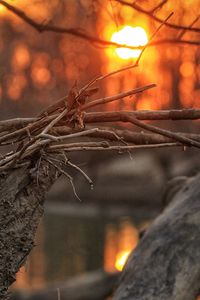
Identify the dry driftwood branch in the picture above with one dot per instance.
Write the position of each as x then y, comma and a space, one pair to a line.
165, 265
102, 146
126, 117
145, 115
36, 135
138, 138
184, 114
178, 137
53, 119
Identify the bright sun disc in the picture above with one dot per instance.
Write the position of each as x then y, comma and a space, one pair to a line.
131, 36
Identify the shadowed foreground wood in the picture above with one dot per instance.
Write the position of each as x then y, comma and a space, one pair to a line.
22, 194
165, 265
91, 286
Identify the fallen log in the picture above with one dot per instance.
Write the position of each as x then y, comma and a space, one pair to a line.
95, 285
22, 193
165, 264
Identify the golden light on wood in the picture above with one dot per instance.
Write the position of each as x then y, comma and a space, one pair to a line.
130, 36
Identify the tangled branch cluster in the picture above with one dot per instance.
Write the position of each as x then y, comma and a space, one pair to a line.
63, 126
62, 121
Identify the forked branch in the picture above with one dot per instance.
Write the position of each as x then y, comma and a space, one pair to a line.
42, 27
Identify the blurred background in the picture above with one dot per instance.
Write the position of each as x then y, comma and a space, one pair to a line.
37, 69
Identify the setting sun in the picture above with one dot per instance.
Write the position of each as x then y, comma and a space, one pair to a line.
131, 36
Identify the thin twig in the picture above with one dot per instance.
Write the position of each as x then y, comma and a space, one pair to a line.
152, 16
118, 96
62, 146
172, 114
178, 137
159, 6
41, 27
152, 36
68, 162
113, 148
180, 35
66, 175
38, 123
138, 138
72, 135
95, 103
15, 123
54, 121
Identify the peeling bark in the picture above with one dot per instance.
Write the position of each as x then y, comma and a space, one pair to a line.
166, 263
22, 193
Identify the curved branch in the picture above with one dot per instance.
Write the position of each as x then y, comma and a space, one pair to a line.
126, 117
40, 27
152, 16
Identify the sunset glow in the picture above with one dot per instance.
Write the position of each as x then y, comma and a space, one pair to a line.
4, 10
131, 36
121, 259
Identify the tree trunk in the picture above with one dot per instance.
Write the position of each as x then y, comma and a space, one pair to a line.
166, 263
22, 193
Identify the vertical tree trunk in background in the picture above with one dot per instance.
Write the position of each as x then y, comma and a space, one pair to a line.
166, 263
22, 193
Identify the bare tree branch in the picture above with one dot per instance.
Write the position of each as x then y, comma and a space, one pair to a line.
61, 171
118, 97
41, 27
118, 148
138, 138
173, 114
152, 16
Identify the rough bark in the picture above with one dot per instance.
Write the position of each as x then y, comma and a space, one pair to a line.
165, 265
95, 285
22, 194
